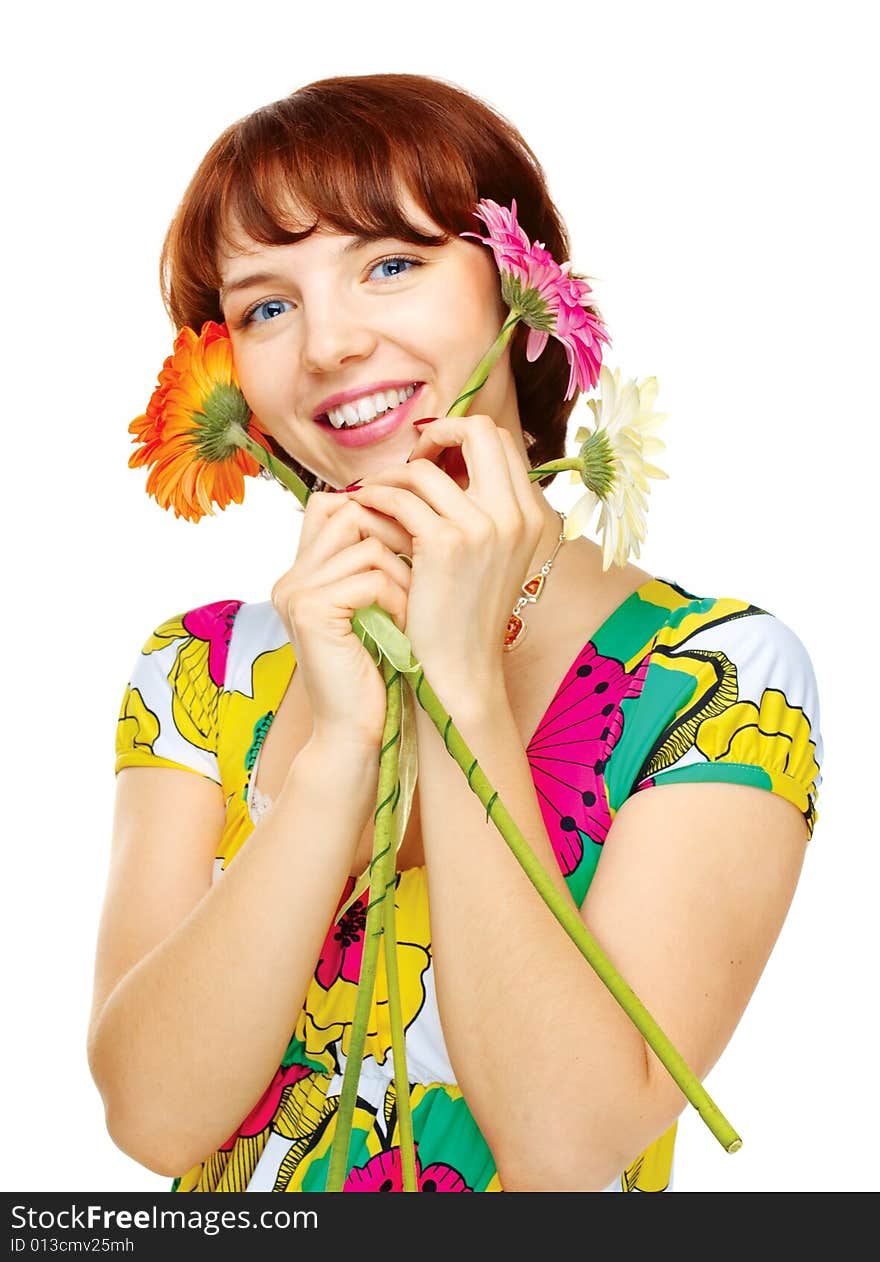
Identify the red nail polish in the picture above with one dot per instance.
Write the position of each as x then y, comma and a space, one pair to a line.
355, 486
425, 421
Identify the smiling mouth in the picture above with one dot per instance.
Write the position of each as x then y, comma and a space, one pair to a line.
367, 409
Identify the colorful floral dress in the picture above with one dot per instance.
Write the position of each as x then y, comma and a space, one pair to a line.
672, 687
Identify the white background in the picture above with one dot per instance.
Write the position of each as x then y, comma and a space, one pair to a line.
715, 164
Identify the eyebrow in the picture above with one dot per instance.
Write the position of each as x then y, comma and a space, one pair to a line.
245, 282
268, 278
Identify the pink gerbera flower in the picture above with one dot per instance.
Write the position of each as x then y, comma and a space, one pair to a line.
544, 295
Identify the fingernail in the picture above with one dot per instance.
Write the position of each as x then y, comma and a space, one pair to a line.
425, 421
355, 486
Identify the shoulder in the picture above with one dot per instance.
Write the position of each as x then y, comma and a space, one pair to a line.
731, 635
216, 638
171, 707
729, 692
192, 658
168, 715
257, 630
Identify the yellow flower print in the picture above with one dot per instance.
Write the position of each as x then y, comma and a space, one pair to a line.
651, 1170
196, 677
330, 1002
700, 615
246, 713
714, 689
166, 634
773, 735
304, 1118
138, 726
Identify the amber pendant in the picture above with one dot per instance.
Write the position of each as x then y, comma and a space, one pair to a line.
531, 591
516, 629
533, 587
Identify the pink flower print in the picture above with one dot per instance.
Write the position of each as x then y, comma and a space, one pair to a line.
344, 945
438, 1177
545, 295
213, 625
571, 747
264, 1110
384, 1173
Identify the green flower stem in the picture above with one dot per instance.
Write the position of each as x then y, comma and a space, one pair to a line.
555, 466
383, 863
480, 375
475, 382
286, 476
398, 1049
276, 467
383, 843
570, 920
395, 1010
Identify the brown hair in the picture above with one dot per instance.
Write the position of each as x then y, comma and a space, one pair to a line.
330, 148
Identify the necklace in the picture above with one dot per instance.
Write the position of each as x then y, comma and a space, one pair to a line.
531, 589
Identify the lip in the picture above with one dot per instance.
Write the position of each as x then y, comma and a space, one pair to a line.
349, 396
374, 431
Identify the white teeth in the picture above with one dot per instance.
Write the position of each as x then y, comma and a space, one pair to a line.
368, 408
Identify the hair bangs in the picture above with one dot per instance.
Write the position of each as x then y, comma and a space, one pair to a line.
282, 183
344, 154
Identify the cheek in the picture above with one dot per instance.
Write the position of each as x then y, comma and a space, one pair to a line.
244, 370
485, 285
261, 386
457, 339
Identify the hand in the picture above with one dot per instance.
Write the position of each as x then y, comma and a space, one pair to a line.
347, 558
471, 548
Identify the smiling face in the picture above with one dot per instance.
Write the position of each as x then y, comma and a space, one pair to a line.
341, 343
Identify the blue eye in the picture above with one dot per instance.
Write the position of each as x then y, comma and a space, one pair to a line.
396, 265
270, 309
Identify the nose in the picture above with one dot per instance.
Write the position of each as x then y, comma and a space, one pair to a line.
334, 332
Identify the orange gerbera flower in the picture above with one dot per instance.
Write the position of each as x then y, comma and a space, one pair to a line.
196, 427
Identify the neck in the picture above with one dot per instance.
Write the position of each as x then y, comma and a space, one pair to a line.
549, 535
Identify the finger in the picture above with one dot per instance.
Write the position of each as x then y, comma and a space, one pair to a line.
427, 447
411, 510
321, 506
342, 523
528, 495
433, 486
496, 471
368, 554
355, 592
480, 443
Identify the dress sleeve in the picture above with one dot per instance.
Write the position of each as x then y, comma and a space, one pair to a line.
169, 711
735, 701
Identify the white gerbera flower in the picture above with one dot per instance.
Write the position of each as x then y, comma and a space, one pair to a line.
615, 468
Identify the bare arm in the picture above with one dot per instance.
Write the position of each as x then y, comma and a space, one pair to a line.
197, 987
688, 900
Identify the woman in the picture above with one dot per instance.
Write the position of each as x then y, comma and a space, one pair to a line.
325, 230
